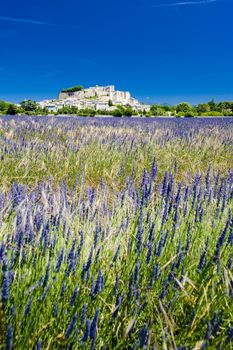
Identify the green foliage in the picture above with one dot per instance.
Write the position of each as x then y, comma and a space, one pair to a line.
118, 112
212, 105
29, 105
183, 107
73, 89
160, 110
203, 108
189, 114
12, 109
121, 111
72, 110
3, 106
212, 114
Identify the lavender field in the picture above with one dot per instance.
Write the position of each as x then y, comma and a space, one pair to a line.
116, 233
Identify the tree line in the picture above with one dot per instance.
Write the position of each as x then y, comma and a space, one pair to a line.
183, 109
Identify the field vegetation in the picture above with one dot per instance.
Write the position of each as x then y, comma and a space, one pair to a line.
116, 233
184, 109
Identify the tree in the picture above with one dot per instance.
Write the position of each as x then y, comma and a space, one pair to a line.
110, 104
29, 105
212, 105
73, 89
189, 114
3, 106
159, 110
12, 109
118, 112
128, 111
203, 108
183, 107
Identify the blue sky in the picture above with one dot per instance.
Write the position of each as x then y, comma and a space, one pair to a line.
161, 51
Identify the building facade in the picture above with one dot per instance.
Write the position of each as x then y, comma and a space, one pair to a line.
99, 98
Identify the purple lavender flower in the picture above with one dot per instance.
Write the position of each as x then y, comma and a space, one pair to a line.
86, 266
97, 255
93, 327
164, 290
118, 304
229, 335
9, 337
153, 172
230, 261
151, 233
59, 260
46, 278
55, 310
99, 283
202, 261
208, 331
5, 287
27, 308
63, 287
121, 168
165, 184
13, 311
180, 258
188, 242
230, 237
45, 293
139, 238
149, 252
87, 331
216, 181
73, 297
162, 243
45, 236
143, 336
116, 285
137, 272
71, 326
116, 254
154, 275
217, 322
19, 238
97, 234
83, 315
165, 211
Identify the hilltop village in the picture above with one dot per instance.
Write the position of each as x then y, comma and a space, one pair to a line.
102, 98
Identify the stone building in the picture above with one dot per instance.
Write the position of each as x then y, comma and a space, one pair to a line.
98, 97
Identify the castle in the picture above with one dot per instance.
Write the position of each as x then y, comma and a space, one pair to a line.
104, 98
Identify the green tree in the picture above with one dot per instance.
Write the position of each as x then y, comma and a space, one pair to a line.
73, 89
128, 111
28, 105
183, 107
3, 106
118, 112
189, 114
158, 110
12, 109
203, 108
212, 105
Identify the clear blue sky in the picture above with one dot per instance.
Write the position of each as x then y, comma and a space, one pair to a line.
161, 51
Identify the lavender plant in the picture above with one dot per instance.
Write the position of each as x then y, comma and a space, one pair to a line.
116, 234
